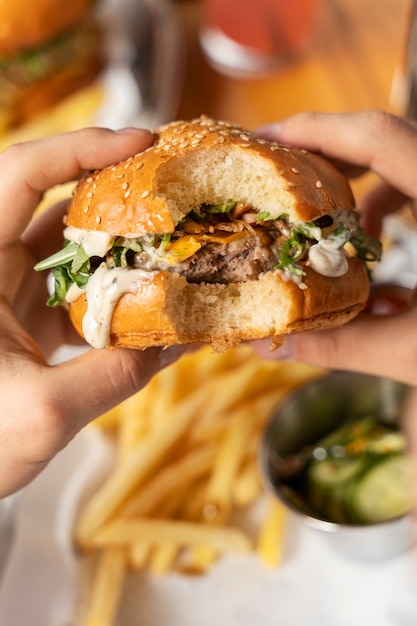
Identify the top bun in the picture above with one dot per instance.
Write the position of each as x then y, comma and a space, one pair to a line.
206, 161
24, 25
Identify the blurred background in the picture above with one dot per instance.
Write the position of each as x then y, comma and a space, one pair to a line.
150, 61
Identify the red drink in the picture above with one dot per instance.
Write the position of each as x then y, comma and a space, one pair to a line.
249, 36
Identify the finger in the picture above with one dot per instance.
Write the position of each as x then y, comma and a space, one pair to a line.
29, 169
376, 140
56, 402
380, 201
79, 390
44, 234
372, 344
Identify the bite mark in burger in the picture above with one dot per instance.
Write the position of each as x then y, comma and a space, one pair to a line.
211, 236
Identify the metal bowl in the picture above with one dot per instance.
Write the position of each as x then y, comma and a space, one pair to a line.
305, 417
7, 515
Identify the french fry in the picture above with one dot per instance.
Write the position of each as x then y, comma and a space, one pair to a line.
134, 470
139, 554
199, 559
163, 558
123, 532
187, 448
135, 423
192, 506
173, 478
272, 534
247, 486
231, 451
107, 587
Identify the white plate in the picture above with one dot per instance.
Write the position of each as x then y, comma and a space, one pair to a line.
314, 586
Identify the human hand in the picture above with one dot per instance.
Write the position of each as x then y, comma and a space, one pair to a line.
386, 145
44, 406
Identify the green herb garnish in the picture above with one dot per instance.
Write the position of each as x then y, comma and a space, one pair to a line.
291, 251
223, 207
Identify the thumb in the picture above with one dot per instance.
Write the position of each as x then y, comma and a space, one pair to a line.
93, 383
372, 344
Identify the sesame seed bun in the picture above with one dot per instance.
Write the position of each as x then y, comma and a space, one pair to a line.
205, 162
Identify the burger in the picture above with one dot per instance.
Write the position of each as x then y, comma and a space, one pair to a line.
211, 235
47, 52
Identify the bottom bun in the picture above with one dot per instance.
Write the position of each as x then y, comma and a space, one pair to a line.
169, 310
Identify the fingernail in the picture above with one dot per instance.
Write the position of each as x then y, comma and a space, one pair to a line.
126, 131
269, 130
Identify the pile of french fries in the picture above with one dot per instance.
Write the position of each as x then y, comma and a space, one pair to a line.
186, 463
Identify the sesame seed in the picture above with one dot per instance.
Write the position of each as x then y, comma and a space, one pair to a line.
291, 184
304, 151
120, 176
98, 219
86, 209
302, 286
128, 192
319, 184
145, 194
89, 194
125, 185
294, 169
139, 165
89, 179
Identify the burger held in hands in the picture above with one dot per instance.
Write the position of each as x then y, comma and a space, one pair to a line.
211, 236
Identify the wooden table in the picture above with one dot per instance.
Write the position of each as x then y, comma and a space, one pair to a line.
358, 52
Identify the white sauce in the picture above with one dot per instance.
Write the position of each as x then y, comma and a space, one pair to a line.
328, 259
94, 242
103, 291
73, 293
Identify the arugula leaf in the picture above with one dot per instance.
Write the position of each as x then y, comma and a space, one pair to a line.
367, 247
62, 283
80, 260
67, 253
223, 207
264, 216
290, 252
